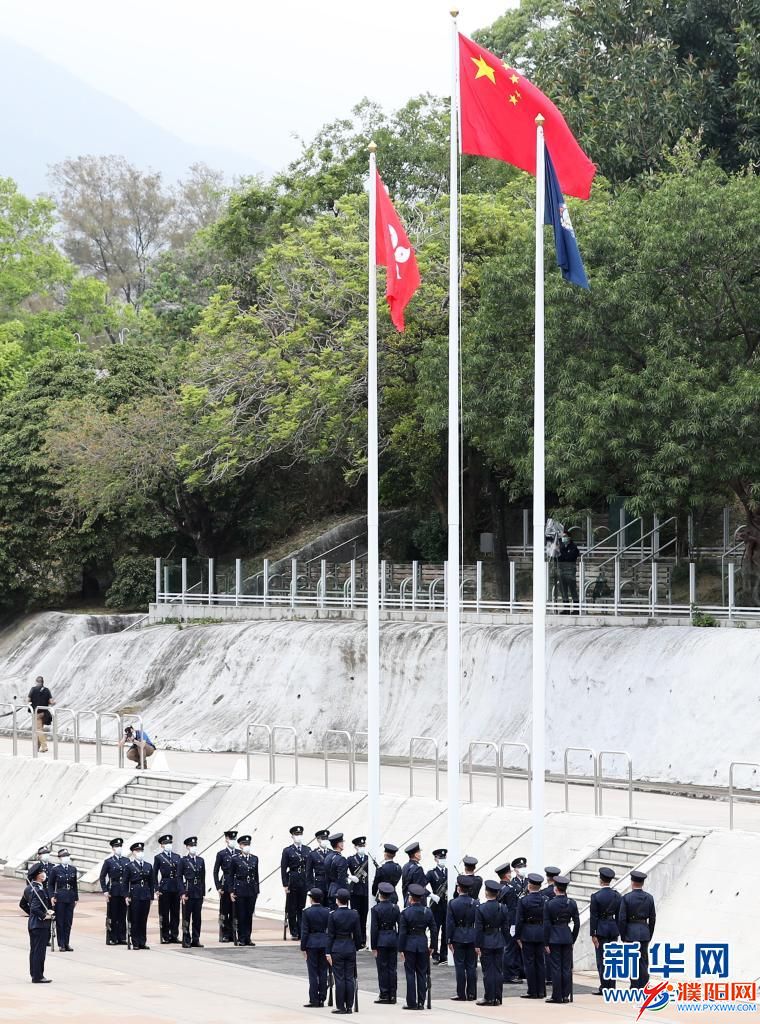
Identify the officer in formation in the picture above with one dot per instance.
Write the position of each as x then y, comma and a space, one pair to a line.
192, 888
294, 872
384, 941
636, 918
316, 877
469, 864
438, 879
559, 939
314, 921
548, 893
113, 884
509, 895
166, 870
336, 868
140, 893
244, 878
460, 928
491, 934
415, 925
64, 896
41, 914
358, 877
388, 871
529, 934
603, 922
223, 885
519, 864
412, 872
343, 938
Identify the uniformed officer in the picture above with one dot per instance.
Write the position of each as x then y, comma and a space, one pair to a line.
166, 869
491, 934
40, 916
559, 939
460, 929
64, 896
358, 877
113, 883
437, 878
529, 934
412, 872
222, 883
415, 923
293, 869
244, 877
44, 857
314, 922
192, 877
388, 871
603, 922
343, 937
316, 877
336, 867
548, 893
511, 965
519, 864
636, 918
140, 892
469, 864
383, 939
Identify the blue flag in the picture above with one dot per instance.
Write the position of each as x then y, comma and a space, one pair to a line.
556, 213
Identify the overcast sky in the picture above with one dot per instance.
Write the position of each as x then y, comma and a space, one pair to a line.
243, 74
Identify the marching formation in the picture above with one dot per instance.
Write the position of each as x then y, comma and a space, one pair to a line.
521, 926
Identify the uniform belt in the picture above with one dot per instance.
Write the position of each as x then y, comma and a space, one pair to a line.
344, 935
606, 917
65, 887
491, 930
562, 920
416, 931
638, 920
317, 931
534, 920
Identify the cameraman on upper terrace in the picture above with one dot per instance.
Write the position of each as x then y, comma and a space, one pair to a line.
567, 556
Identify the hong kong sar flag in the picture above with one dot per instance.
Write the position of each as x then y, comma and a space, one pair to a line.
395, 253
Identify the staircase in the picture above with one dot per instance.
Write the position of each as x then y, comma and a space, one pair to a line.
628, 848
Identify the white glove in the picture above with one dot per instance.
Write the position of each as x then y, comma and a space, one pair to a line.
512, 930
434, 898
353, 879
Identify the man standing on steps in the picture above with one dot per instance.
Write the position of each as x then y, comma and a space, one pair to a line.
358, 877
166, 869
293, 869
223, 884
342, 942
245, 890
192, 891
316, 876
412, 872
113, 884
437, 878
388, 871
529, 935
559, 939
140, 892
40, 700
603, 922
637, 917
64, 895
337, 869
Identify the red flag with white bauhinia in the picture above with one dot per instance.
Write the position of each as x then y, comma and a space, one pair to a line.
395, 252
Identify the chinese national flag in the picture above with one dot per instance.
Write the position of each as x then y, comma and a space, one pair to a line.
498, 114
395, 253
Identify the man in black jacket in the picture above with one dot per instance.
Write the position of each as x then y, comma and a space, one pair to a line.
343, 938
314, 921
637, 917
383, 938
567, 557
460, 930
388, 871
415, 923
559, 939
529, 935
603, 922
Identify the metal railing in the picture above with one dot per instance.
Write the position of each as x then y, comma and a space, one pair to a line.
488, 745
435, 767
250, 729
274, 752
613, 780
348, 751
511, 771
567, 777
733, 796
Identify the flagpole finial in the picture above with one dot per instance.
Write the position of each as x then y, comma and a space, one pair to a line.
372, 147
454, 12
540, 119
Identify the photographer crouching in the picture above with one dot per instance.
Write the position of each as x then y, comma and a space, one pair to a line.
141, 746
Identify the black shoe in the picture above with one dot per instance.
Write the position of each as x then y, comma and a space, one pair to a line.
144, 947
197, 945
557, 1001
405, 1007
41, 981
526, 996
471, 999
247, 943
596, 992
443, 963
458, 999
225, 940
513, 981
566, 999
340, 1011
485, 1002
308, 1006
384, 1002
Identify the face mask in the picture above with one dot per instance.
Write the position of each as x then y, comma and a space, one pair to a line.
324, 844
167, 848
441, 862
245, 849
231, 843
297, 840
565, 540
361, 850
65, 860
139, 855
45, 858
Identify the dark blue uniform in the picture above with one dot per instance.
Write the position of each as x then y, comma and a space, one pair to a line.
343, 937
383, 937
113, 880
414, 924
460, 928
316, 877
388, 871
223, 884
511, 965
491, 933
192, 891
294, 870
337, 875
437, 881
166, 869
529, 930
314, 921
603, 926
140, 892
359, 868
475, 886
636, 918
39, 928
63, 891
412, 873
244, 877
559, 912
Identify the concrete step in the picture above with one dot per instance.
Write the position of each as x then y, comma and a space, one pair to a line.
148, 803
78, 844
117, 819
625, 854
594, 863
168, 782
657, 835
644, 846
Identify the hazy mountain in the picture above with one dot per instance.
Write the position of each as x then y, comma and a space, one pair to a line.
48, 114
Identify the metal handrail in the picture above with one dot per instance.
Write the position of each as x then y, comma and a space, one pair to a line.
491, 746
732, 796
660, 549
87, 713
502, 768
636, 543
402, 590
349, 750
137, 622
251, 727
436, 767
354, 747
32, 725
609, 537
292, 732
431, 591
727, 554
57, 711
601, 779
14, 728
567, 777
101, 717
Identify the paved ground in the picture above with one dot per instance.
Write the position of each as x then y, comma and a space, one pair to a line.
219, 984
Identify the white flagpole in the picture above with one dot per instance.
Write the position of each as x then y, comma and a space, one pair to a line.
539, 519
373, 543
452, 570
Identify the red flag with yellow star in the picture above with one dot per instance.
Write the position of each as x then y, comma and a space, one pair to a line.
498, 109
395, 252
